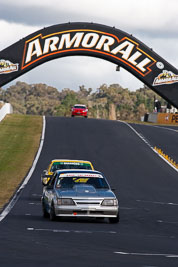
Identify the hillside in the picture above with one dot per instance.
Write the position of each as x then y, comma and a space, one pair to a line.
108, 102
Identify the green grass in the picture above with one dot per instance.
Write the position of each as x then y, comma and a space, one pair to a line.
19, 142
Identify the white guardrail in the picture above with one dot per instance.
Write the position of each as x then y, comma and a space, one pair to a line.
6, 109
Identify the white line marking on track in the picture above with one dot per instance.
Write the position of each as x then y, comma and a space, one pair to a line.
31, 203
18, 192
161, 127
146, 142
70, 231
157, 202
160, 221
170, 129
36, 195
146, 254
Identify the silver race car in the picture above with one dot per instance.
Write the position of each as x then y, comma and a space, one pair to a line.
79, 193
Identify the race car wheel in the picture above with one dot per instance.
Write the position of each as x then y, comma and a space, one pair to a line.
45, 213
52, 214
114, 219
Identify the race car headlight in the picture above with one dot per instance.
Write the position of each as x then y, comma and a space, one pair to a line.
65, 201
109, 202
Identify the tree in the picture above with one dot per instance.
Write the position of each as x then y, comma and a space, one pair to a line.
113, 101
64, 109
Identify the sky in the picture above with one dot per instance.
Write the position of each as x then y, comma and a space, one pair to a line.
154, 22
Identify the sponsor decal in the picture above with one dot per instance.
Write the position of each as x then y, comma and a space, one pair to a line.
124, 50
80, 180
160, 65
81, 175
7, 67
167, 118
72, 163
67, 163
166, 77
175, 118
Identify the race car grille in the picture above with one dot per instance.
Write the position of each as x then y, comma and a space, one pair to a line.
88, 201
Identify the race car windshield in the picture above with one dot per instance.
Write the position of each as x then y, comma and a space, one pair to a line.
82, 107
69, 182
68, 165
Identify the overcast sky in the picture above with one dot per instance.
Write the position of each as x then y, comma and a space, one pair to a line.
154, 22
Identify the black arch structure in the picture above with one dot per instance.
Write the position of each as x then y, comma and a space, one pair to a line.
90, 39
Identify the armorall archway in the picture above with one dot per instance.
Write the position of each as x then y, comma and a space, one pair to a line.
90, 39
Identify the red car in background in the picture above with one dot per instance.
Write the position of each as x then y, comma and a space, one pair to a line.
79, 110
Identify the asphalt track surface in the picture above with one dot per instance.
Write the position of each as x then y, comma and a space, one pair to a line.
164, 137
147, 188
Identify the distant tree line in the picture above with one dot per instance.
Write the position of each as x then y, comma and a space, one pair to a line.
107, 102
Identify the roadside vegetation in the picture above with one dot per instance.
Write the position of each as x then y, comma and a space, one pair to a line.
19, 142
106, 102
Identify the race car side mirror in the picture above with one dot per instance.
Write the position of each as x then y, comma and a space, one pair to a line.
45, 180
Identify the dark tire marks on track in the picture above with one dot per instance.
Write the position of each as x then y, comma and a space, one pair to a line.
145, 185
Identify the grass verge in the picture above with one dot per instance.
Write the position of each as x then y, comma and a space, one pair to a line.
19, 142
